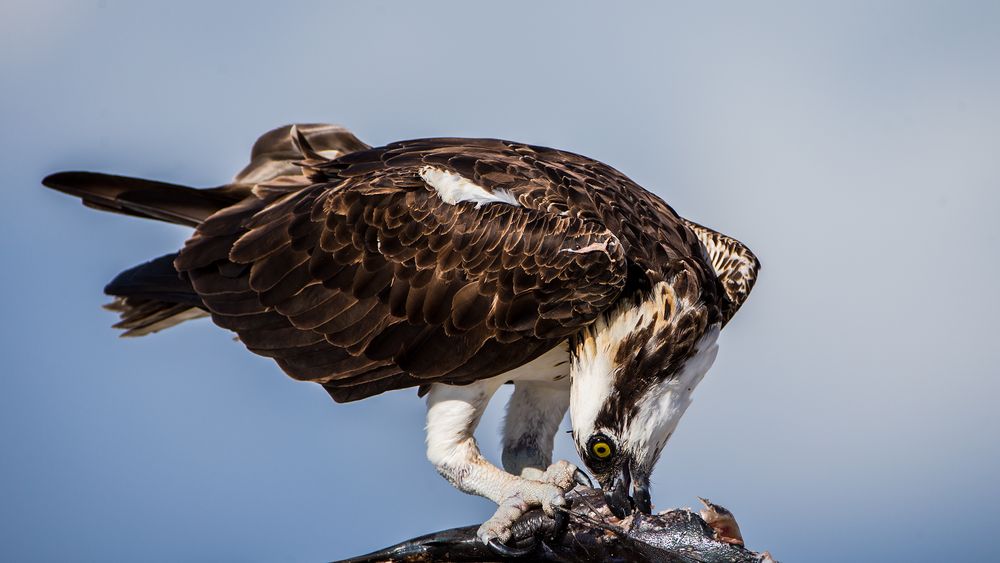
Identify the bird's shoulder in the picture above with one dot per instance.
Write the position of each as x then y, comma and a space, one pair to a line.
549, 180
359, 275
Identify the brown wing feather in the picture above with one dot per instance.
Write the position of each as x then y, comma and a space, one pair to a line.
369, 281
733, 263
653, 236
274, 155
339, 262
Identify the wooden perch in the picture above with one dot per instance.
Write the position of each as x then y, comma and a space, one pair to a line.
591, 534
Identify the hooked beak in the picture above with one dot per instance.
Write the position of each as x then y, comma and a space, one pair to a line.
640, 492
616, 494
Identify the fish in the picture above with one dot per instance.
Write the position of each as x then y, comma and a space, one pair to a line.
588, 532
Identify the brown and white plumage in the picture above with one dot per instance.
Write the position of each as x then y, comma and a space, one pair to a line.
733, 263
366, 280
437, 263
353, 273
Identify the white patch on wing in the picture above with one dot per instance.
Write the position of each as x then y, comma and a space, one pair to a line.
592, 247
454, 188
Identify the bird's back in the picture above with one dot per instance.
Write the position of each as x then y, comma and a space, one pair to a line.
370, 269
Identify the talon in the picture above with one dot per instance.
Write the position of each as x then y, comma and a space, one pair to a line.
561, 525
583, 479
552, 506
504, 550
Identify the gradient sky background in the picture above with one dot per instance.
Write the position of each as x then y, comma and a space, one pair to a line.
852, 414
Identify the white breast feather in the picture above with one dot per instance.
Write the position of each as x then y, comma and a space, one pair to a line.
661, 409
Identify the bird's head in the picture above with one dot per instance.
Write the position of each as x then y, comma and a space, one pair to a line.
632, 372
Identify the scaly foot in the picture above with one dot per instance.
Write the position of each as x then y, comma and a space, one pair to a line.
521, 495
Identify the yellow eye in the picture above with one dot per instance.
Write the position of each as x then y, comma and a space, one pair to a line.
601, 450
600, 447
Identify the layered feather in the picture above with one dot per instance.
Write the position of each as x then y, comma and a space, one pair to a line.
369, 269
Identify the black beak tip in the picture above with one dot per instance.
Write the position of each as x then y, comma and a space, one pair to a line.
618, 502
642, 501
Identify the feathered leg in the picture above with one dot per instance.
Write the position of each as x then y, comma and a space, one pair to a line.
534, 412
452, 416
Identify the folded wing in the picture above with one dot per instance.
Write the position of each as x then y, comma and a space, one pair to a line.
367, 279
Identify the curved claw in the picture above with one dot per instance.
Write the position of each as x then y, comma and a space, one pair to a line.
504, 550
583, 479
560, 525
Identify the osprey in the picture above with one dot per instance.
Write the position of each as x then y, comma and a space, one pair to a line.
453, 266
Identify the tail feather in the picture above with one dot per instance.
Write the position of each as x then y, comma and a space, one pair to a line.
274, 164
152, 296
140, 317
143, 198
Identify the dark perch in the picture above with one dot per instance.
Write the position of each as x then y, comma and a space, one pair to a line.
592, 534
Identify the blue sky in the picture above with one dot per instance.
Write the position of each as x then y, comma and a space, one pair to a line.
851, 413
